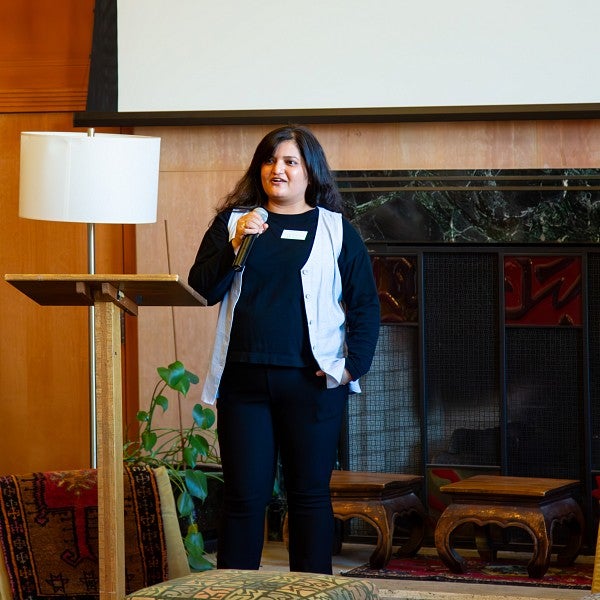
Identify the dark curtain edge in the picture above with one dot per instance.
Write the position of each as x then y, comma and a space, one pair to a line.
103, 78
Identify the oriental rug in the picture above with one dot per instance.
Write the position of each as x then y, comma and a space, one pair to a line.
49, 533
503, 571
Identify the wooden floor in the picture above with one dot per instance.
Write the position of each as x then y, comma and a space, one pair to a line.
353, 555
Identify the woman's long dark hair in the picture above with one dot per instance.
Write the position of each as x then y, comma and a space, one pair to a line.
321, 190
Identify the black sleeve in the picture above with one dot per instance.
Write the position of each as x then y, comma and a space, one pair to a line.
212, 273
361, 302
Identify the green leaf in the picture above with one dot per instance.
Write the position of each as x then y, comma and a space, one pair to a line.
162, 402
182, 386
199, 563
185, 504
176, 376
163, 373
189, 456
172, 374
192, 377
196, 483
148, 440
194, 545
142, 416
177, 370
192, 527
199, 444
203, 417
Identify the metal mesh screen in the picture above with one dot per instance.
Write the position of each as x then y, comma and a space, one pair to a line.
594, 354
544, 395
383, 429
383, 426
461, 358
470, 361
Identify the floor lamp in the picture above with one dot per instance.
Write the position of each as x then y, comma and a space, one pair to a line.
89, 178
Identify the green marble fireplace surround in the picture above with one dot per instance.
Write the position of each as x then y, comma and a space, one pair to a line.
482, 206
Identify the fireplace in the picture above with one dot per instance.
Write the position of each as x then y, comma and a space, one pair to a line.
489, 353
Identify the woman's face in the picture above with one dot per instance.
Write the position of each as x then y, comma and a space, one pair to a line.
284, 177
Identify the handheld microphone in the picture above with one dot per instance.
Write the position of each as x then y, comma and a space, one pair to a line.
246, 245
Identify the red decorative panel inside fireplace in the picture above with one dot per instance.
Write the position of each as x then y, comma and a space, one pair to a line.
542, 290
396, 280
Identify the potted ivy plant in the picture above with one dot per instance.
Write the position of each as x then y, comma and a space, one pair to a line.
188, 454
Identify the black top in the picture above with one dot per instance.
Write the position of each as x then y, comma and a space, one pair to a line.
269, 324
266, 328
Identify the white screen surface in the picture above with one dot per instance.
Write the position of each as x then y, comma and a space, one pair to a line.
206, 55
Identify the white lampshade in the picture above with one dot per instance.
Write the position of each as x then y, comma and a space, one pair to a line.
74, 177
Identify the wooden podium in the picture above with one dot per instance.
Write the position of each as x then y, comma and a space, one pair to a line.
109, 294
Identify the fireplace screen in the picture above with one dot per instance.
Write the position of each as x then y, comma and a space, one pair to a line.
488, 359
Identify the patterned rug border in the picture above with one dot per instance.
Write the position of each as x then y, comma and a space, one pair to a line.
580, 580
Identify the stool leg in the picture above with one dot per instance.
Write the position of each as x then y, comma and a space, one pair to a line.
413, 544
285, 531
410, 506
566, 556
575, 524
534, 522
377, 516
484, 543
447, 523
382, 519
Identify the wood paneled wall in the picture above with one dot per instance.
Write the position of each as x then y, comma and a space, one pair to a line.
199, 165
44, 410
45, 49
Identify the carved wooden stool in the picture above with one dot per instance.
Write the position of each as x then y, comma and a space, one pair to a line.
378, 498
535, 505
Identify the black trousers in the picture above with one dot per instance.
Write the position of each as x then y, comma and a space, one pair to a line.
262, 409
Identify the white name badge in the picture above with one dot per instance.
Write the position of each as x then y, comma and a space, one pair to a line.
293, 234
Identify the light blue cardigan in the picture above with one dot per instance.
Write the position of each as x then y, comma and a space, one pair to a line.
322, 289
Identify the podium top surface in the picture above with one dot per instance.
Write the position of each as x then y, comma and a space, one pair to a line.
143, 290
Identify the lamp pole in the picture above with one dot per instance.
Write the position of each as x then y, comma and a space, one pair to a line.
92, 355
91, 241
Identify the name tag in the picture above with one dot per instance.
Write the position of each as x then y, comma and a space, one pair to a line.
293, 234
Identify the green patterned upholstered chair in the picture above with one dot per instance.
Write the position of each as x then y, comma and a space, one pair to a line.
45, 515
226, 584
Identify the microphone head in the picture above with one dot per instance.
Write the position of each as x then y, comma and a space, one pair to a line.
259, 210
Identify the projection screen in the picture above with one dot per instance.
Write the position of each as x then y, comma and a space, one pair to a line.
343, 55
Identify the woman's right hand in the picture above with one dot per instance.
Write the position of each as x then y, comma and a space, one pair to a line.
249, 224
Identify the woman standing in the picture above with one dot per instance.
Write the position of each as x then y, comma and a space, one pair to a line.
297, 327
